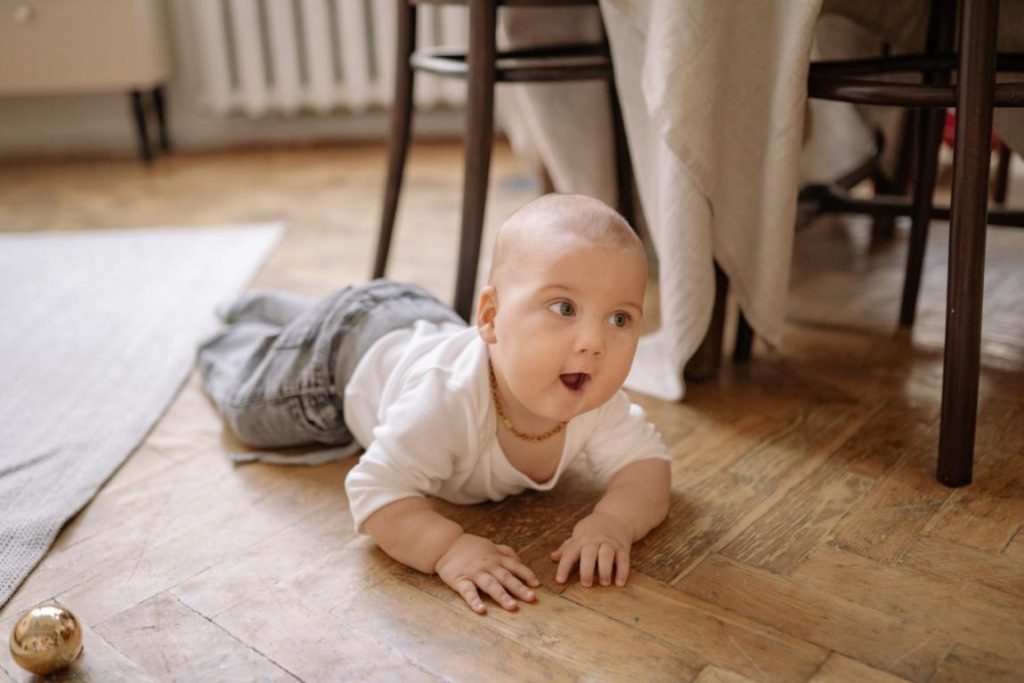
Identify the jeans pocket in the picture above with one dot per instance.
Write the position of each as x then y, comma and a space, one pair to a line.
322, 414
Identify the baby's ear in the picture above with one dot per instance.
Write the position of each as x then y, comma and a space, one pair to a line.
486, 310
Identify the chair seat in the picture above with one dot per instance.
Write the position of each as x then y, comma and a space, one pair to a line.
544, 64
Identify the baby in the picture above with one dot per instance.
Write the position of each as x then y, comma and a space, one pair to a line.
467, 414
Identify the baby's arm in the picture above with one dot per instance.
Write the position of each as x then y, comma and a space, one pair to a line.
410, 531
637, 500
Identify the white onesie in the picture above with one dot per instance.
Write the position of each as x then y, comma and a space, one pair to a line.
419, 401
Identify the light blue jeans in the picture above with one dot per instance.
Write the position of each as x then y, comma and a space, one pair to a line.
277, 374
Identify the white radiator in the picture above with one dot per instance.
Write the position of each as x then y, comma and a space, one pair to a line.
261, 57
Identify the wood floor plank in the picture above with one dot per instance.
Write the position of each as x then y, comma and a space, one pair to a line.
965, 564
725, 639
966, 664
129, 522
587, 642
116, 527
807, 516
715, 511
335, 576
169, 640
798, 523
966, 612
840, 669
718, 442
985, 522
521, 516
452, 644
890, 642
311, 644
1015, 548
888, 519
988, 513
316, 543
161, 564
712, 674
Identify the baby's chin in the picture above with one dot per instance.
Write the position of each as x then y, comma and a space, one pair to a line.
579, 406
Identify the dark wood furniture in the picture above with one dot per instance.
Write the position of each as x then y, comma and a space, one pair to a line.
482, 65
964, 79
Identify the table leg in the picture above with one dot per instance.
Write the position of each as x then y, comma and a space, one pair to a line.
967, 241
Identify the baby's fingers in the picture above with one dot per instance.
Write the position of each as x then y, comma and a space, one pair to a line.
606, 563
467, 589
569, 556
507, 551
588, 558
622, 562
521, 570
514, 585
556, 554
493, 587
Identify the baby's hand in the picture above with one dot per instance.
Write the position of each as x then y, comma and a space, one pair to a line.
597, 539
473, 562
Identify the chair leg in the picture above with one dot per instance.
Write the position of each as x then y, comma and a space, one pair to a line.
401, 123
744, 340
707, 359
967, 241
940, 39
479, 134
623, 163
928, 143
1002, 174
905, 163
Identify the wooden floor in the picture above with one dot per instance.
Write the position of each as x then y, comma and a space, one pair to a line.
808, 539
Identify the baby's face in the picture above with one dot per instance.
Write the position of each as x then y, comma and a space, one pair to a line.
567, 325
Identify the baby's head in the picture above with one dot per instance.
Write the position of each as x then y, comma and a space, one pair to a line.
562, 308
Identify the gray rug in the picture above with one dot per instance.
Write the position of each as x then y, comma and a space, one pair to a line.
98, 332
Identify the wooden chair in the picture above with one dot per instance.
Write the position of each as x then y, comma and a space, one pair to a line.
482, 65
974, 95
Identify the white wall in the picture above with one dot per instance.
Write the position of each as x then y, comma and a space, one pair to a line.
102, 124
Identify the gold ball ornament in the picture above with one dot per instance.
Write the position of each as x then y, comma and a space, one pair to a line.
46, 638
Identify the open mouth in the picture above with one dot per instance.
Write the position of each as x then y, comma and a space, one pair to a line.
575, 381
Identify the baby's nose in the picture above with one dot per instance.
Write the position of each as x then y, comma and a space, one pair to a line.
590, 340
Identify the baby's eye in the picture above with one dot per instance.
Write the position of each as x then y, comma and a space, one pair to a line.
563, 308
620, 319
